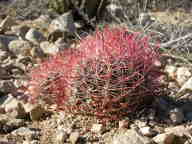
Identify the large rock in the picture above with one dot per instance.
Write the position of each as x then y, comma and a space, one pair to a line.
124, 136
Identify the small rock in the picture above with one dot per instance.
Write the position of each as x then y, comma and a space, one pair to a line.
7, 23
63, 23
187, 87
176, 115
3, 55
123, 124
61, 136
20, 47
97, 128
20, 31
35, 111
147, 131
2, 46
55, 35
165, 138
8, 124
115, 10
145, 19
49, 48
180, 131
123, 136
74, 136
188, 116
5, 40
34, 36
140, 123
171, 71
31, 142
182, 75
37, 52
28, 133
7, 86
13, 107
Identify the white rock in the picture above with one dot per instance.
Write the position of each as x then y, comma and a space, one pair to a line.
74, 136
147, 131
180, 131
171, 71
182, 75
61, 136
49, 48
20, 47
64, 23
165, 138
97, 128
128, 137
187, 87
13, 107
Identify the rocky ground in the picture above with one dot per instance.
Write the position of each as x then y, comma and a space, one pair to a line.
25, 42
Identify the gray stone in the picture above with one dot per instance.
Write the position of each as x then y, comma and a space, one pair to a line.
34, 36
5, 40
3, 55
7, 86
20, 47
176, 115
188, 116
20, 31
2, 46
145, 19
7, 23
63, 23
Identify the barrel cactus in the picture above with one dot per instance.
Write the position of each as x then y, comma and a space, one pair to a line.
111, 74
